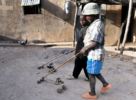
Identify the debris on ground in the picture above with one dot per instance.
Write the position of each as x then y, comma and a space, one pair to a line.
40, 67
59, 81
41, 80
22, 42
64, 87
50, 65
65, 52
61, 89
51, 68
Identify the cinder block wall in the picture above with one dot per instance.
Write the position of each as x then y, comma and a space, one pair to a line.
50, 26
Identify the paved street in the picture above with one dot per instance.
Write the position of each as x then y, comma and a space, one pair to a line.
19, 74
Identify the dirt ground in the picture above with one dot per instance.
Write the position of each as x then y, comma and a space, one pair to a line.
20, 70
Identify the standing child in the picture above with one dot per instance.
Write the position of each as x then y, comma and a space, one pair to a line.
94, 49
80, 61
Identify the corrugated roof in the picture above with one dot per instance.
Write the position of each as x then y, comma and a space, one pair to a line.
30, 2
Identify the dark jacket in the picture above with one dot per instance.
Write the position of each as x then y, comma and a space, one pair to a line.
80, 43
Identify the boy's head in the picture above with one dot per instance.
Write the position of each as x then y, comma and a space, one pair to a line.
82, 21
91, 11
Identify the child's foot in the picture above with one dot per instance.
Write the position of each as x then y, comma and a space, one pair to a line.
70, 77
87, 96
86, 79
105, 89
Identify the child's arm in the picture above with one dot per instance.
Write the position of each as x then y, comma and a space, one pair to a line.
86, 49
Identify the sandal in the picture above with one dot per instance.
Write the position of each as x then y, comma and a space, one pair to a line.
87, 96
105, 89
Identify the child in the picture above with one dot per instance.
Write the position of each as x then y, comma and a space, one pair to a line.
80, 61
94, 49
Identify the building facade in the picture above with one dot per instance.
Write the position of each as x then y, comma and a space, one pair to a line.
45, 22
54, 20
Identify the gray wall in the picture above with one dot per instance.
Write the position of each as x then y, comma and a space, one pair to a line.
50, 26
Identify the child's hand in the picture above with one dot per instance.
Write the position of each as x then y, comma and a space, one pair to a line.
84, 51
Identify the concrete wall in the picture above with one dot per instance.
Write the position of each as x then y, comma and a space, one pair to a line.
113, 24
8, 18
50, 26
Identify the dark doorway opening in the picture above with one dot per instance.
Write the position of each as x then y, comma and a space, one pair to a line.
124, 19
34, 9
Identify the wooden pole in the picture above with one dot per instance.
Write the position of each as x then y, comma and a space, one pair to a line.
120, 34
127, 26
75, 23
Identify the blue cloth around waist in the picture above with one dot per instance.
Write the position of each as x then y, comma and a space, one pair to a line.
94, 66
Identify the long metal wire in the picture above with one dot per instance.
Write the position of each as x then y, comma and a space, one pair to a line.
57, 57
62, 65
